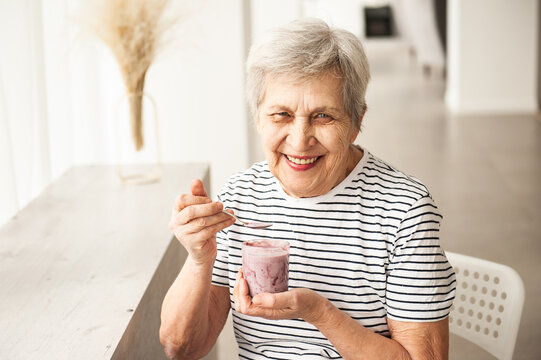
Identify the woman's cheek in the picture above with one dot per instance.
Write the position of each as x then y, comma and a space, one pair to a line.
273, 137
338, 138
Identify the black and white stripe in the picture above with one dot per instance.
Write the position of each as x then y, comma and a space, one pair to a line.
370, 246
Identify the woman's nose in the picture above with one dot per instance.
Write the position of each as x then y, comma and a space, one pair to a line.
301, 134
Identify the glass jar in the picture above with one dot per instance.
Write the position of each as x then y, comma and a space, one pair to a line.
137, 140
265, 265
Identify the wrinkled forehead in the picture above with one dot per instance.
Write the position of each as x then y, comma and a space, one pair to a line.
288, 89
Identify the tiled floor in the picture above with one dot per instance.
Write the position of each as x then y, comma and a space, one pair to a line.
483, 171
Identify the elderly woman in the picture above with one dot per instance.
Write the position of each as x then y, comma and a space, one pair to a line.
368, 278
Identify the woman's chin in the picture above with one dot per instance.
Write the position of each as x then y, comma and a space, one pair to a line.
300, 183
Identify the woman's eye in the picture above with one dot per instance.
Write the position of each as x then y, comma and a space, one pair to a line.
322, 115
282, 115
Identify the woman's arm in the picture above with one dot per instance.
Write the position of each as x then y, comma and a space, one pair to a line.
409, 341
194, 311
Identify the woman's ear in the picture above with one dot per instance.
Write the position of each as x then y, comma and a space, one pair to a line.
361, 118
354, 133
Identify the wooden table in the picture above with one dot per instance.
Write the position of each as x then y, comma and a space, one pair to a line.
84, 267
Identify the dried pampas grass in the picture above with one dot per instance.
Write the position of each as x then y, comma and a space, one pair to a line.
133, 30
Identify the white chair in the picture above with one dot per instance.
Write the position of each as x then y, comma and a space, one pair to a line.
488, 304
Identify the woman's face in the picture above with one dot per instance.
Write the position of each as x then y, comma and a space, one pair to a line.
306, 134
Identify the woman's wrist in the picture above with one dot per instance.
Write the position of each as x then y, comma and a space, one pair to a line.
320, 312
200, 265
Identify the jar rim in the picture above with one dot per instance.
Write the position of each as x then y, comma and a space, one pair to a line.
265, 247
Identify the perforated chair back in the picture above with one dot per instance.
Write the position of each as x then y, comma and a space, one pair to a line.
488, 304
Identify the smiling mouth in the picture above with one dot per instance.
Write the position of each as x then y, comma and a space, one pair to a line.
303, 160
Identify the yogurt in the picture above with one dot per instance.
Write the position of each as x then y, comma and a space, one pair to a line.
265, 265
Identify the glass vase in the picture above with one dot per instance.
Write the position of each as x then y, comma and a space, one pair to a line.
137, 140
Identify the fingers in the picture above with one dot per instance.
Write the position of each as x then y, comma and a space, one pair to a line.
197, 231
201, 210
189, 207
195, 221
185, 200
198, 196
241, 295
200, 234
267, 300
295, 303
244, 303
197, 188
244, 290
201, 216
285, 305
283, 300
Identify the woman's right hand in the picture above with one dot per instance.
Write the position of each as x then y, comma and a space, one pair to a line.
196, 220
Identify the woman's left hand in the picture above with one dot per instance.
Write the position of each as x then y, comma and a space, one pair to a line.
293, 304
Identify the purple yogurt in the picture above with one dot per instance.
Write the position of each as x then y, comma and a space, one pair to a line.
265, 265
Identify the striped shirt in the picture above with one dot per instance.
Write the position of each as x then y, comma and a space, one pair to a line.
370, 246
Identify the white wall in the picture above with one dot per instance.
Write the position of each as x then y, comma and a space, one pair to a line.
197, 83
60, 86
200, 92
492, 56
24, 170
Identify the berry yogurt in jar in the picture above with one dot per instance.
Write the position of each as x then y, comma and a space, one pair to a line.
265, 265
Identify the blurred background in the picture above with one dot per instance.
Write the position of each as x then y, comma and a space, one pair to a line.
454, 100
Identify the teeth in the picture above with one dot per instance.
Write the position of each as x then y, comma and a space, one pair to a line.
302, 161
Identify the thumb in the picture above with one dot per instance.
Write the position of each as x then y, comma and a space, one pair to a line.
197, 188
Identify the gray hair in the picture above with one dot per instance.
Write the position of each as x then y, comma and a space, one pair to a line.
305, 49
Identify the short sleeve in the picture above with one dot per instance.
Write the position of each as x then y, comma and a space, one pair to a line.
420, 281
220, 271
